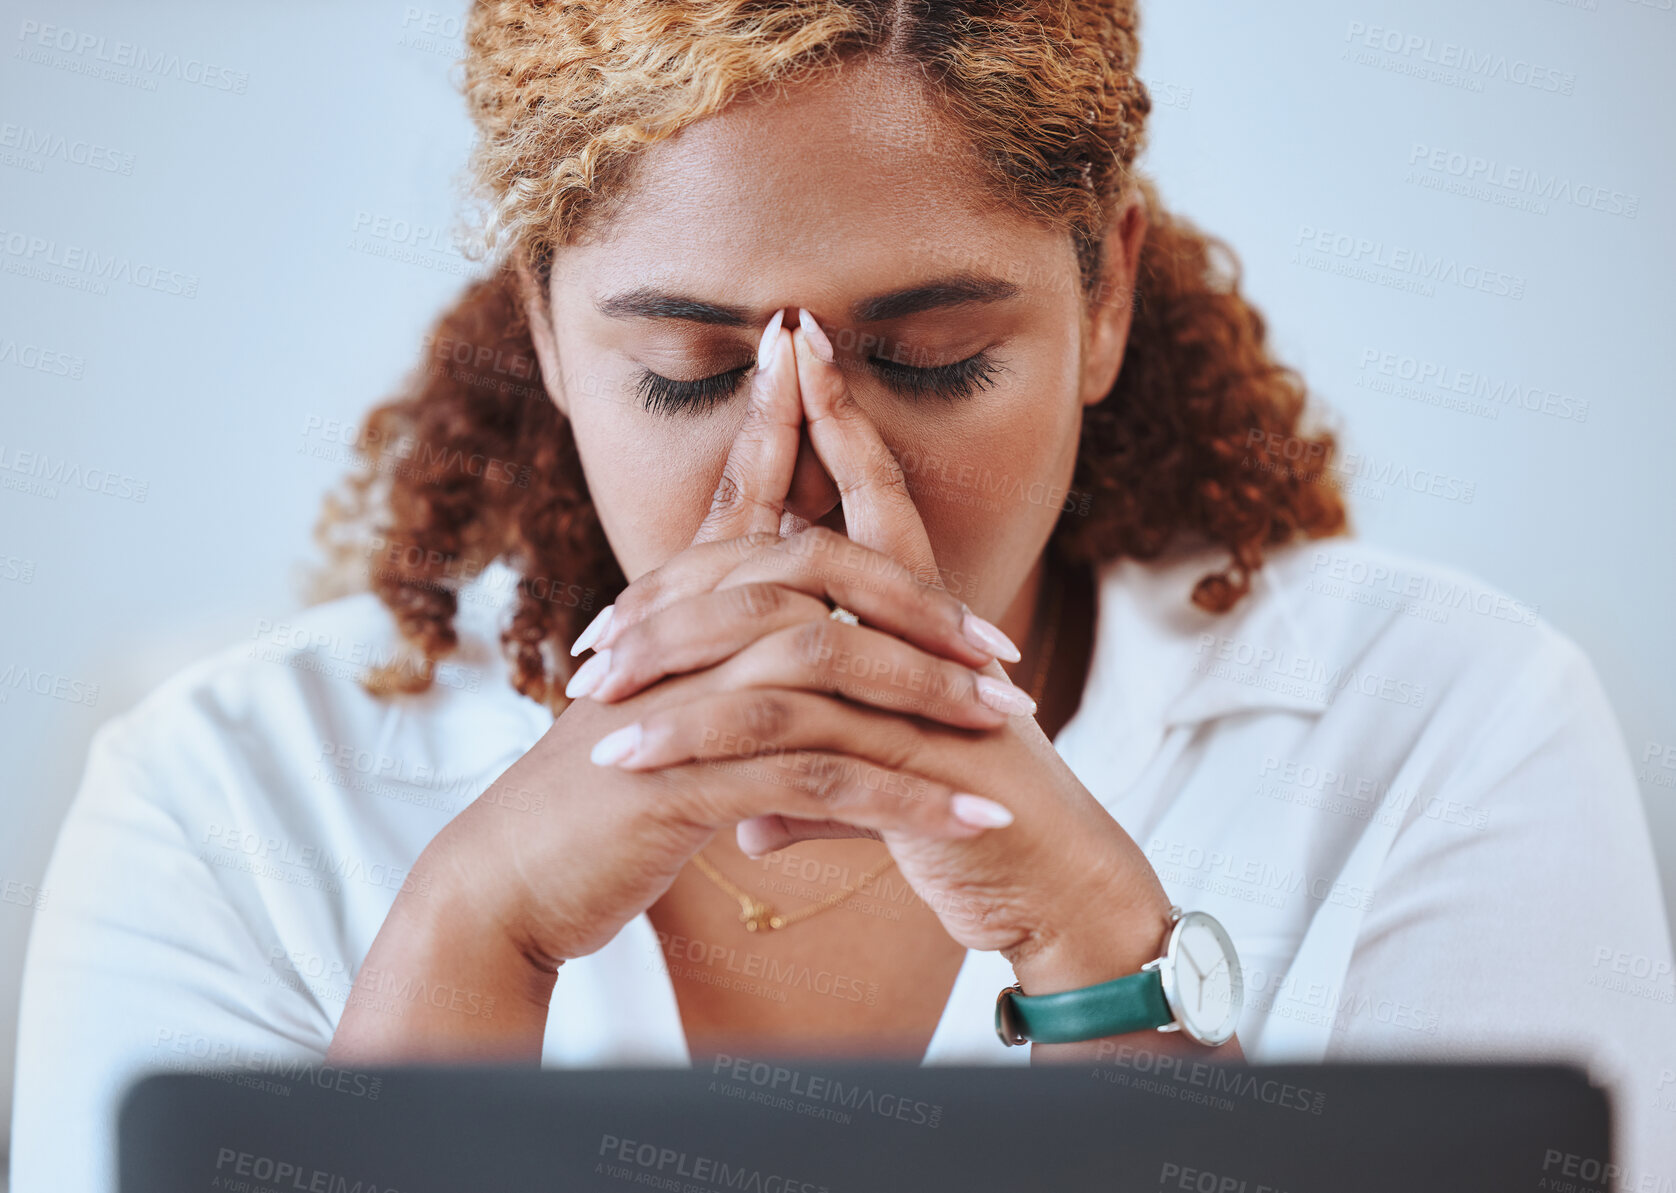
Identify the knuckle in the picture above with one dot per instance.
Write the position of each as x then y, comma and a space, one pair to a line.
897, 743
888, 474
729, 494
928, 603
765, 716
828, 780
813, 646
758, 600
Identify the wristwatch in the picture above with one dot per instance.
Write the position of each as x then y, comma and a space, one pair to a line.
1195, 988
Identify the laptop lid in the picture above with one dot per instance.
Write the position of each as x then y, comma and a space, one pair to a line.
792, 1126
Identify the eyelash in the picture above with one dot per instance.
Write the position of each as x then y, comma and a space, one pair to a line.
951, 382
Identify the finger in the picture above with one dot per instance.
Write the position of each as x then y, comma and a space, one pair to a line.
823, 787
762, 835
822, 564
690, 635
827, 657
756, 722
863, 665
878, 512
766, 723
695, 570
704, 629
878, 589
751, 494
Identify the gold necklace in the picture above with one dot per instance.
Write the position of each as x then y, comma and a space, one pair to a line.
758, 915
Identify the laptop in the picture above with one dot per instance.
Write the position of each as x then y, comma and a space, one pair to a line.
743, 1125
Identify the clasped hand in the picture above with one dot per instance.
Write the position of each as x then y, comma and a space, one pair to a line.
721, 681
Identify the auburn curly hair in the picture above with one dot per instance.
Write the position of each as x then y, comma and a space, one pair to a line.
1199, 440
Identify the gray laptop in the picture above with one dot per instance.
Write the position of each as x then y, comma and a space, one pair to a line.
794, 1126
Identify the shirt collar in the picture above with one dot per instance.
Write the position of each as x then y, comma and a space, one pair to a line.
1161, 660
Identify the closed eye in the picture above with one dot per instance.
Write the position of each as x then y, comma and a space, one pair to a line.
665, 395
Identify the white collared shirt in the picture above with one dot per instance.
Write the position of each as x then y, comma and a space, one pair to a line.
1402, 793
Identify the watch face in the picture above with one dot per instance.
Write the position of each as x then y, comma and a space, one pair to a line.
1207, 991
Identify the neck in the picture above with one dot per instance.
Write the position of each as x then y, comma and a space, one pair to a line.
1025, 622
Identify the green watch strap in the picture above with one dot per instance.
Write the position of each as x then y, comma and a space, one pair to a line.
1132, 1003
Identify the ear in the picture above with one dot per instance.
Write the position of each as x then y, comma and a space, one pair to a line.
1112, 305
532, 295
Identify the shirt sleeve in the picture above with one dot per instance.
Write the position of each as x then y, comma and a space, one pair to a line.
145, 956
1519, 912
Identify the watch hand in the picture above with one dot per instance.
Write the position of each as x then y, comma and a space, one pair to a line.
1191, 961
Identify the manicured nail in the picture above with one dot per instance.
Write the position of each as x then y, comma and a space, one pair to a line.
769, 347
979, 812
596, 629
987, 636
816, 337
1001, 696
616, 746
588, 675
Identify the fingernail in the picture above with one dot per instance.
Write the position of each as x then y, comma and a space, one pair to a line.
596, 629
768, 348
979, 812
616, 746
817, 337
999, 695
986, 636
588, 675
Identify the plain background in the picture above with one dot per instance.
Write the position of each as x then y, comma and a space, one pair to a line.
1320, 139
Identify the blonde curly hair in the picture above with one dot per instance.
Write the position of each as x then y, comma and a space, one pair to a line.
1198, 440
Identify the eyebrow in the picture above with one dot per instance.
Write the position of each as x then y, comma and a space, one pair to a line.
952, 290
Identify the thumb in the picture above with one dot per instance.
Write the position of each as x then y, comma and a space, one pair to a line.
751, 494
878, 512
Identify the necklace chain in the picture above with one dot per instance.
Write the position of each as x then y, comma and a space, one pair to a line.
758, 915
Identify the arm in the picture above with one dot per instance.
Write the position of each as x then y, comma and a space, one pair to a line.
143, 957
449, 942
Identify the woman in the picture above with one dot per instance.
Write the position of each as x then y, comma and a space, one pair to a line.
863, 355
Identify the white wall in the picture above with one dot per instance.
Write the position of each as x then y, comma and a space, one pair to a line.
338, 119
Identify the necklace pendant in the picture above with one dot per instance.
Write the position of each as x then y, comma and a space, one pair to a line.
756, 916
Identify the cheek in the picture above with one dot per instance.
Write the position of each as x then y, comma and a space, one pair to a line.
650, 478
978, 463
990, 484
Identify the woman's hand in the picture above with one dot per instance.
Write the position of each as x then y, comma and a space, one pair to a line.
512, 894
1061, 890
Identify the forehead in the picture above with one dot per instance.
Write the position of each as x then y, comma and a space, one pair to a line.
852, 177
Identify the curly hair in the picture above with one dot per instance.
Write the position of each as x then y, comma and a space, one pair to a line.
1199, 440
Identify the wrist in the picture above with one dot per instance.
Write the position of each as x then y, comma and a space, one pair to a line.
441, 985
1108, 940
477, 904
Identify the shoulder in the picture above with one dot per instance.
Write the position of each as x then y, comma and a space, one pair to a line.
1349, 666
278, 730
1339, 618
1441, 626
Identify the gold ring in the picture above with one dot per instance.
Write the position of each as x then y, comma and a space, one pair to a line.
839, 613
